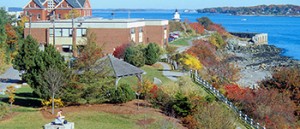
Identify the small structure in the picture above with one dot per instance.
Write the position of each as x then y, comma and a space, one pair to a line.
117, 68
176, 16
255, 38
69, 125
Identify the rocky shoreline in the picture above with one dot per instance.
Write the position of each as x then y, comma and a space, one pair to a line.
257, 62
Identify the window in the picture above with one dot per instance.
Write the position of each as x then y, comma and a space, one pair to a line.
58, 32
38, 16
165, 27
59, 16
81, 32
51, 32
50, 4
141, 29
132, 31
65, 33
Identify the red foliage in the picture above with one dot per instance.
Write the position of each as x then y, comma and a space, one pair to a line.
120, 51
205, 52
153, 91
270, 107
218, 28
197, 27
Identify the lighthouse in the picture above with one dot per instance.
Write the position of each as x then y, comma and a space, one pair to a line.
176, 16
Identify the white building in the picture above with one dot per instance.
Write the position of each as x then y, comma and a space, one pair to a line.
176, 16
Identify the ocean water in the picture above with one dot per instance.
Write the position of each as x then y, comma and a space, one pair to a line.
284, 32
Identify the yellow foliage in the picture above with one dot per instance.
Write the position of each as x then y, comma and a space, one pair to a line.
57, 103
191, 62
146, 87
10, 91
73, 12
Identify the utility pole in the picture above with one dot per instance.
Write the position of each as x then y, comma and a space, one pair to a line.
53, 20
74, 34
30, 18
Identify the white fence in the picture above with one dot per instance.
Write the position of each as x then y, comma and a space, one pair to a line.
222, 98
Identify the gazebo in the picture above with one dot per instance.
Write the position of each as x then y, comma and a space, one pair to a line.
111, 66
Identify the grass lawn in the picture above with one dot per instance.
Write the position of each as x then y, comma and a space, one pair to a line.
181, 42
151, 72
25, 116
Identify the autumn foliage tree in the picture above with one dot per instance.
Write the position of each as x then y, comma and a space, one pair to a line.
191, 62
199, 29
268, 106
90, 53
120, 51
10, 91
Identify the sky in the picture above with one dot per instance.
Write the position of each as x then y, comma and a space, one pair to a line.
164, 4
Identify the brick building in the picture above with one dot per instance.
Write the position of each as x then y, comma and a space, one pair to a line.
44, 9
110, 33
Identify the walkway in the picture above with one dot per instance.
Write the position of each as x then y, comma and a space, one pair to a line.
170, 74
11, 76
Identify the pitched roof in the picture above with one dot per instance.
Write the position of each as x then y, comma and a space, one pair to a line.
73, 3
76, 3
116, 67
39, 3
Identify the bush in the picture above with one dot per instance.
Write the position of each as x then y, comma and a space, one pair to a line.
190, 122
3, 110
57, 103
122, 94
182, 106
152, 53
135, 56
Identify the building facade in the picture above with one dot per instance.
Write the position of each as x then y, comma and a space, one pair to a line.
110, 33
41, 10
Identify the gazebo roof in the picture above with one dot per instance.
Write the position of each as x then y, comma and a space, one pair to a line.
116, 67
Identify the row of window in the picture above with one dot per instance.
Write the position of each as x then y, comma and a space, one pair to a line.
67, 32
132, 30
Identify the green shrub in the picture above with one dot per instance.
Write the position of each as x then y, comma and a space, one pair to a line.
152, 53
122, 94
182, 106
3, 110
135, 56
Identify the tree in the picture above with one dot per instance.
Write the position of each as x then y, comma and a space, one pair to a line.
205, 21
197, 27
182, 106
152, 53
10, 91
90, 53
191, 62
135, 56
120, 51
53, 81
73, 13
34, 63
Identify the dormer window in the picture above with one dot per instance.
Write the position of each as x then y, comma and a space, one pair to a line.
50, 4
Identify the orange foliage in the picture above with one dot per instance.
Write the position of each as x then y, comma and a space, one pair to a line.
190, 122
197, 27
218, 28
11, 35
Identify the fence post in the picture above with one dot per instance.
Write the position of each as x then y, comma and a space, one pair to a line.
251, 121
246, 118
240, 112
257, 126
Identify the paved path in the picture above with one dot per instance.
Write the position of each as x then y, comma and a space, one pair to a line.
11, 76
190, 42
170, 74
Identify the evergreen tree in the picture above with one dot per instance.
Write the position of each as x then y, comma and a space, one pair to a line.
152, 53
35, 62
135, 56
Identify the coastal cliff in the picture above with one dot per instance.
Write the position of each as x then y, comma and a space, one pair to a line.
257, 62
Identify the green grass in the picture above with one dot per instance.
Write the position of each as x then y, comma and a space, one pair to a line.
181, 41
151, 72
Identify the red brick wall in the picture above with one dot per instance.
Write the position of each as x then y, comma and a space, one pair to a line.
40, 34
155, 34
111, 38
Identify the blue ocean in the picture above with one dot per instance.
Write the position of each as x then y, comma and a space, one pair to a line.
284, 32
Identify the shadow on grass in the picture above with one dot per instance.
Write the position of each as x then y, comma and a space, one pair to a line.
25, 102
26, 95
6, 80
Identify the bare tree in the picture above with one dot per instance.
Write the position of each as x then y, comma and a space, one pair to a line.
53, 80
